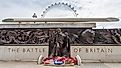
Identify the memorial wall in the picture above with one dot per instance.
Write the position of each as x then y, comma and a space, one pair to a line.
26, 44
75, 35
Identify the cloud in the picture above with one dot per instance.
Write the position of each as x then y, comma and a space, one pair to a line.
21, 8
85, 8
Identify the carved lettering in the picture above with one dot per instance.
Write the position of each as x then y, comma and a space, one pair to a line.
27, 50
93, 50
99, 50
24, 50
87, 50
13, 50
102, 50
110, 50
36, 49
75, 50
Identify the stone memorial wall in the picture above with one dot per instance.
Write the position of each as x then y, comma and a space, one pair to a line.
22, 53
27, 44
105, 53
75, 35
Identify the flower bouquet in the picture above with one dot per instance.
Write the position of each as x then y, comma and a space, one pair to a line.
60, 61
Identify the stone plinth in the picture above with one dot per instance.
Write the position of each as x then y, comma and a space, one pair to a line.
104, 53
48, 25
22, 53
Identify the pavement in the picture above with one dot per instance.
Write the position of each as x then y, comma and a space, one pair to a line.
13, 64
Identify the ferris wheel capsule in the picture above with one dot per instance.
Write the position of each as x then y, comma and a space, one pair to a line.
55, 3
69, 5
66, 4
51, 4
59, 3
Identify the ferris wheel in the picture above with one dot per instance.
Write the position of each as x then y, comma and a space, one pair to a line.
59, 4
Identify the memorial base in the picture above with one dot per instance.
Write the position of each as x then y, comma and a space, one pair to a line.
22, 53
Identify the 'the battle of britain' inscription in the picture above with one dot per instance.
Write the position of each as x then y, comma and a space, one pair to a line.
93, 50
27, 50
24, 53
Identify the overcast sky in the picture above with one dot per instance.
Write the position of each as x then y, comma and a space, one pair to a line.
85, 8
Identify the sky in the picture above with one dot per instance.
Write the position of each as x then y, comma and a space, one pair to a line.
85, 8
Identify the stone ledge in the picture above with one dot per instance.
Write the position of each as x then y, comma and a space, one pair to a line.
50, 25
